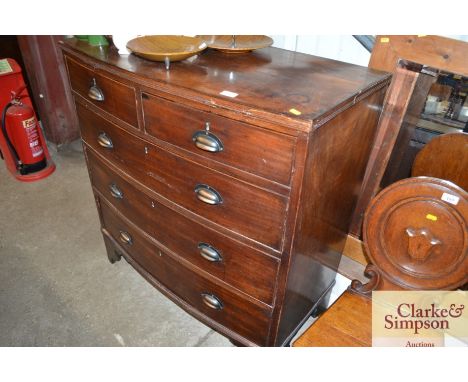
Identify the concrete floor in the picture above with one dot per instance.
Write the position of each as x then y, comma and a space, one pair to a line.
57, 287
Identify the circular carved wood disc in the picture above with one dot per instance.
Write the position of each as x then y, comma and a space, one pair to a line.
444, 157
416, 232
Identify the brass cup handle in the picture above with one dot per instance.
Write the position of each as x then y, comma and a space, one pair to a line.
207, 141
209, 253
115, 191
105, 141
212, 301
95, 92
208, 194
125, 238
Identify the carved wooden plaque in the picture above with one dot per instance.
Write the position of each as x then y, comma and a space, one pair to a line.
416, 232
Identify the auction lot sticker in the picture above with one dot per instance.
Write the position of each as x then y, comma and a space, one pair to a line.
420, 318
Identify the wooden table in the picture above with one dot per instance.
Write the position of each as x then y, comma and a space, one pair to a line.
348, 322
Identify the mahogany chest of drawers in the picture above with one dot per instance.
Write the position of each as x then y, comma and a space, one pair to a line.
228, 182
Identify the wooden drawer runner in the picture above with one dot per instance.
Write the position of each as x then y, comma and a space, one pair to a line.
248, 210
239, 265
234, 143
118, 98
245, 318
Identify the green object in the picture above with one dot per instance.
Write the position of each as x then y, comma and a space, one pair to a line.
5, 66
82, 37
97, 40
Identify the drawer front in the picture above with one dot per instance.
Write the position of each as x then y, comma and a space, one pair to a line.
243, 208
236, 264
117, 99
245, 318
237, 144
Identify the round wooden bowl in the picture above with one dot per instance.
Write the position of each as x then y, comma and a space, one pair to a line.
161, 48
242, 44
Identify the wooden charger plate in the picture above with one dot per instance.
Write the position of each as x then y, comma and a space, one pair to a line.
243, 44
160, 48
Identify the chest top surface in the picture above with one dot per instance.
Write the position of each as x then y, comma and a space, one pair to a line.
273, 81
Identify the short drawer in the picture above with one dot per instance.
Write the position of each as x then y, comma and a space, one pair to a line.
214, 301
243, 208
247, 147
235, 263
106, 93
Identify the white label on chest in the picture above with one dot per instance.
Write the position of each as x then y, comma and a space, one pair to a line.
452, 199
227, 93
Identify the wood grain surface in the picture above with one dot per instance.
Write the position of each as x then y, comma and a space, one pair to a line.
252, 149
241, 266
246, 318
434, 51
268, 82
250, 211
444, 157
347, 323
119, 98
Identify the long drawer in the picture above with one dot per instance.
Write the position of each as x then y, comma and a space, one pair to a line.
248, 210
106, 93
250, 148
236, 264
214, 301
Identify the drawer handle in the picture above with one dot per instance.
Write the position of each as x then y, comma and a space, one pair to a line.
125, 238
212, 301
95, 92
208, 194
209, 253
105, 141
207, 141
115, 191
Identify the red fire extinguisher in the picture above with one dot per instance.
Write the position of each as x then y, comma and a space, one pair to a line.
21, 133
22, 143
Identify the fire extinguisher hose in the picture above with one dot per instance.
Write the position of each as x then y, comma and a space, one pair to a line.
7, 138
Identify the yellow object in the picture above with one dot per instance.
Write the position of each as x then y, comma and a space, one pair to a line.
295, 112
431, 217
384, 39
